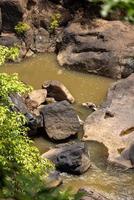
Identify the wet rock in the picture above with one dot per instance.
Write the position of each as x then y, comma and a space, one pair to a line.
38, 96
60, 120
89, 194
58, 91
12, 13
20, 106
103, 47
112, 124
71, 158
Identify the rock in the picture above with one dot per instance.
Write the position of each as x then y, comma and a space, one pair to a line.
42, 41
9, 40
58, 91
60, 120
38, 96
50, 100
70, 158
12, 13
20, 106
89, 194
90, 105
103, 47
112, 124
53, 180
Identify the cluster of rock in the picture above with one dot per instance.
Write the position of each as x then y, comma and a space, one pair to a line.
49, 110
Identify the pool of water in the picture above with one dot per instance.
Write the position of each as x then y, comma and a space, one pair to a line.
110, 180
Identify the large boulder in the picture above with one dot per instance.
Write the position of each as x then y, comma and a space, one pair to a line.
60, 120
58, 91
70, 158
113, 123
89, 194
12, 13
102, 47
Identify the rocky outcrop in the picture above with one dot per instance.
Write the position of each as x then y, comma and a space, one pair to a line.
89, 194
101, 47
113, 123
58, 91
60, 120
70, 158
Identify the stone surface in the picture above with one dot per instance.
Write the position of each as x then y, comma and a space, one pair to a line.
70, 158
38, 96
89, 194
60, 120
9, 40
113, 123
101, 47
58, 91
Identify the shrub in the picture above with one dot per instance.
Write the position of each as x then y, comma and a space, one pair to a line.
21, 28
55, 21
21, 167
8, 53
22, 170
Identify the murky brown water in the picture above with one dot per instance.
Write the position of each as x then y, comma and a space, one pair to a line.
114, 182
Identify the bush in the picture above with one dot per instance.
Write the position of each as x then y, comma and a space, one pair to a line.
55, 21
8, 54
21, 168
21, 28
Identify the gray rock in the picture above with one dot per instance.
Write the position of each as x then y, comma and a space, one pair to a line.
70, 158
102, 47
58, 91
113, 123
60, 120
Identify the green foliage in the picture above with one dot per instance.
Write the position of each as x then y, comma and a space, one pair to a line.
11, 84
55, 21
108, 6
21, 28
21, 168
8, 54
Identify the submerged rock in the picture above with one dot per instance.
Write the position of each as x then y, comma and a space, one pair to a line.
53, 180
89, 194
113, 123
58, 91
60, 120
70, 158
101, 47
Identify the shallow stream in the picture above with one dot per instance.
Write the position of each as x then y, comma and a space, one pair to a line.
115, 183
